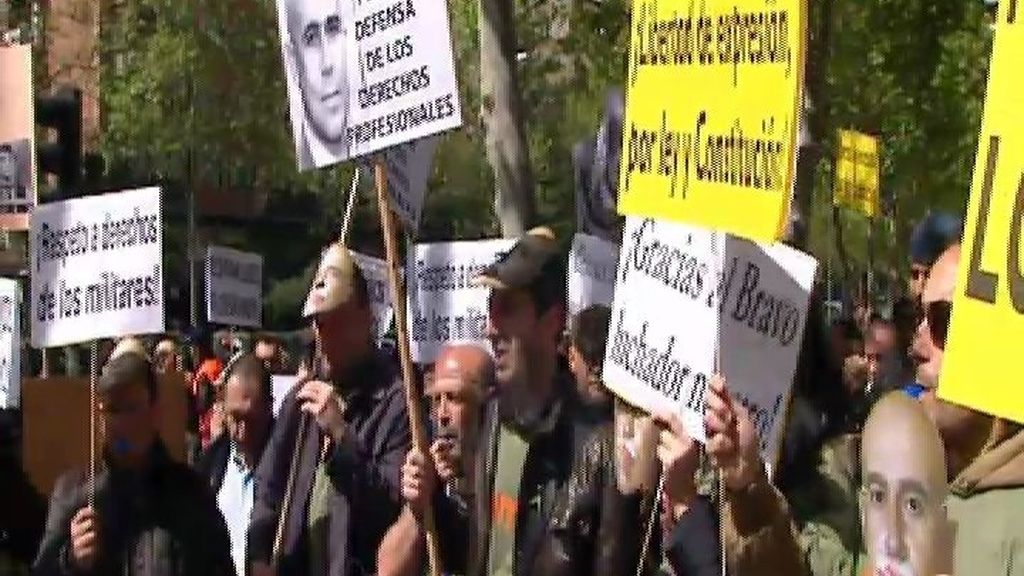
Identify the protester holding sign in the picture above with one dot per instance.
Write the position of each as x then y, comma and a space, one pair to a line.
351, 418
462, 380
542, 466
984, 455
151, 515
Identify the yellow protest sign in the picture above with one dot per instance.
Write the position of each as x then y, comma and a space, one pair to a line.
713, 101
856, 180
981, 365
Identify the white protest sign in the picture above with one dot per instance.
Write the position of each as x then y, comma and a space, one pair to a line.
281, 386
10, 344
365, 76
234, 287
444, 306
408, 169
97, 268
375, 271
685, 295
592, 265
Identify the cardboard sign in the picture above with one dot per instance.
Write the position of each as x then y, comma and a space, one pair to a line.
988, 306
408, 169
718, 152
743, 302
365, 76
856, 179
444, 306
97, 268
55, 413
592, 263
234, 287
10, 344
17, 138
375, 271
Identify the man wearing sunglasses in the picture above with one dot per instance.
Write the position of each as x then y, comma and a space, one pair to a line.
985, 455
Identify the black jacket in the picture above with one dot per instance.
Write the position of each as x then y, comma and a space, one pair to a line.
364, 470
161, 522
584, 525
693, 547
213, 462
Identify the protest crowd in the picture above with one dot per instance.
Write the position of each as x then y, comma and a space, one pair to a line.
529, 468
677, 390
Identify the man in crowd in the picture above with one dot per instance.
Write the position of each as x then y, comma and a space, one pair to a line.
545, 495
930, 238
984, 456
354, 429
230, 461
317, 36
166, 356
904, 489
462, 378
151, 514
863, 373
207, 368
587, 341
269, 350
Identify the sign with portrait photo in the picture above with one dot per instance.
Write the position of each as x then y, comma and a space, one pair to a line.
365, 76
17, 129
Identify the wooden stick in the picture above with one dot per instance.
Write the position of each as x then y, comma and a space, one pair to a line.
353, 192
412, 402
293, 467
93, 373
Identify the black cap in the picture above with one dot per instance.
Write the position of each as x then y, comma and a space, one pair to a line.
535, 265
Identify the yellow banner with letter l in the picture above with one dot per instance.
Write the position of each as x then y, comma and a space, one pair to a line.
856, 179
981, 365
713, 102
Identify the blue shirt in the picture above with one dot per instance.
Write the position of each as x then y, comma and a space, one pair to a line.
235, 502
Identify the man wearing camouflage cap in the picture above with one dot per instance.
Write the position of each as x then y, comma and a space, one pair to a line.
346, 490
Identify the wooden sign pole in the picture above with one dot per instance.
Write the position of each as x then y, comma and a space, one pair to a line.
412, 402
94, 352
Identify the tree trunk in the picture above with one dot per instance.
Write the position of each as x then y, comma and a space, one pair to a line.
816, 115
501, 112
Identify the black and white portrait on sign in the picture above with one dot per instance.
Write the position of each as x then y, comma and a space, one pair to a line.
316, 48
15, 176
366, 76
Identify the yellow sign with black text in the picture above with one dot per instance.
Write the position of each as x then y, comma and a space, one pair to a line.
713, 100
856, 180
981, 368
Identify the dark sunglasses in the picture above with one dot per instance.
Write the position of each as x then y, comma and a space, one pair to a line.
937, 314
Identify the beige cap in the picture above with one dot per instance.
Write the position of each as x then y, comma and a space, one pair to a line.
334, 282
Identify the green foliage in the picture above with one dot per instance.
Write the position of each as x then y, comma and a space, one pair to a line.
911, 72
177, 78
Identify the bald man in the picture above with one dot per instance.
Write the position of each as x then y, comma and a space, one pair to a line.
984, 454
463, 375
906, 531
